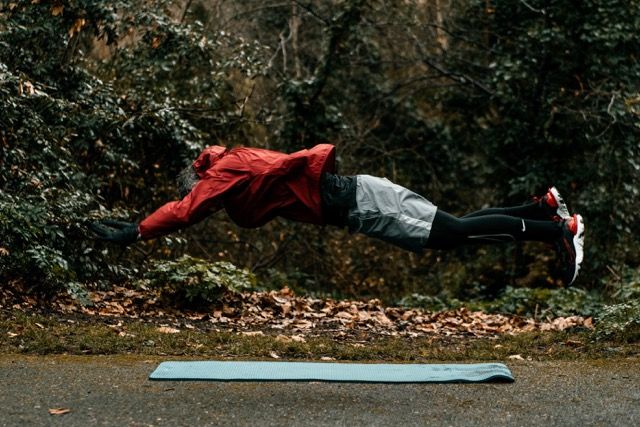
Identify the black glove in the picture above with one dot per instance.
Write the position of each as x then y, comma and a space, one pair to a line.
121, 232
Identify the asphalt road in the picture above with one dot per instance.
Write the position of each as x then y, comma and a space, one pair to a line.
114, 391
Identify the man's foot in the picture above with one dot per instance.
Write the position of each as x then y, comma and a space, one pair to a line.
570, 247
554, 205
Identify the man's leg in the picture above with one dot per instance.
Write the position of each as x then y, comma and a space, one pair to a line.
528, 211
399, 216
549, 206
448, 231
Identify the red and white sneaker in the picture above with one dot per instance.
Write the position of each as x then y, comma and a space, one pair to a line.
554, 205
571, 247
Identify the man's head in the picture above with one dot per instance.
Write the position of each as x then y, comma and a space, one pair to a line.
186, 180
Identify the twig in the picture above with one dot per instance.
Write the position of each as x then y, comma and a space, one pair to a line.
283, 48
186, 9
246, 99
613, 98
312, 12
533, 9
457, 77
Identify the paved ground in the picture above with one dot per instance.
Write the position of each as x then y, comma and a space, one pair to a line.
114, 391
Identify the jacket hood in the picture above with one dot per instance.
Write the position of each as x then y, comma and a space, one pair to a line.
207, 158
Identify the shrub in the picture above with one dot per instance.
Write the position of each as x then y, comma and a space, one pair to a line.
521, 301
104, 101
196, 280
545, 302
425, 301
620, 322
82, 139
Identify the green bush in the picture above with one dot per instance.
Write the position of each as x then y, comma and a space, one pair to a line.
196, 280
521, 301
545, 302
625, 286
83, 139
555, 113
426, 302
620, 322
104, 101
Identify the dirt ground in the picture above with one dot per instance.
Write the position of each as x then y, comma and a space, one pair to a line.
115, 391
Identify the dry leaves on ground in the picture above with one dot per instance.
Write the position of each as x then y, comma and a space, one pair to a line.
294, 317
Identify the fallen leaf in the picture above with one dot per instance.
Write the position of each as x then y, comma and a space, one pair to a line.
382, 319
168, 330
77, 27
59, 411
283, 338
294, 338
57, 9
39, 325
286, 308
228, 311
298, 338
26, 88
302, 324
344, 315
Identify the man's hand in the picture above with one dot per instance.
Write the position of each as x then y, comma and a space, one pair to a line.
121, 232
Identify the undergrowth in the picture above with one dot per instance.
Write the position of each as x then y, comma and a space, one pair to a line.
40, 334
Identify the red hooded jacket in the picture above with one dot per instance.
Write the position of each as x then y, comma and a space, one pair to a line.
253, 185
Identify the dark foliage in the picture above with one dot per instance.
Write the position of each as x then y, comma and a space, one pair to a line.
473, 104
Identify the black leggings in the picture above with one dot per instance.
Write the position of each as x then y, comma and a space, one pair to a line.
493, 225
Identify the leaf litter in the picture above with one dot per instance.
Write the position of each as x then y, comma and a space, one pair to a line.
294, 318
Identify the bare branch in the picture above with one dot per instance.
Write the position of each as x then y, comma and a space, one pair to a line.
186, 9
533, 9
455, 76
312, 12
294, 24
339, 30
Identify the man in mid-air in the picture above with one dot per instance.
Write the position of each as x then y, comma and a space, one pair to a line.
255, 185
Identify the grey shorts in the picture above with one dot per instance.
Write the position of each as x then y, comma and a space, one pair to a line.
391, 213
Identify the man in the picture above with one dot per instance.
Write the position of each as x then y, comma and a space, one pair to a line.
256, 185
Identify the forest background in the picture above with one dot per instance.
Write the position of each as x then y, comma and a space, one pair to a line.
472, 104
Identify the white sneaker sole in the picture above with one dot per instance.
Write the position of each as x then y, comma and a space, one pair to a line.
578, 244
562, 210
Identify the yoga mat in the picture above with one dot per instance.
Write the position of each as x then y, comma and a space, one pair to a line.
332, 372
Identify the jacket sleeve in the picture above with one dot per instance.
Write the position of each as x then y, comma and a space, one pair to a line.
204, 199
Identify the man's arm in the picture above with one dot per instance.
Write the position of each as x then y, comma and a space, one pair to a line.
176, 215
203, 200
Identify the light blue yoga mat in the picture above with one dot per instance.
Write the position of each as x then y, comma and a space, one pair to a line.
334, 372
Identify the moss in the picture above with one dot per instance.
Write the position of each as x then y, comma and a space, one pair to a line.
39, 334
